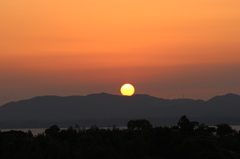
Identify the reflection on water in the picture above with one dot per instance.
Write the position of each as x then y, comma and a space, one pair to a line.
36, 131
236, 127
41, 130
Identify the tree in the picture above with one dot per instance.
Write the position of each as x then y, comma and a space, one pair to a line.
139, 124
224, 130
186, 126
203, 129
52, 131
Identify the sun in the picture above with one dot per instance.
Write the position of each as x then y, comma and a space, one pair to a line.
127, 89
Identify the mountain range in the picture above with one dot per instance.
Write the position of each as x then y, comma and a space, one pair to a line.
107, 110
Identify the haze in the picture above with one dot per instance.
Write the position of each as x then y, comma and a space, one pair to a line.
164, 48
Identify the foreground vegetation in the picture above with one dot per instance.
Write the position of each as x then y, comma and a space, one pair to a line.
189, 140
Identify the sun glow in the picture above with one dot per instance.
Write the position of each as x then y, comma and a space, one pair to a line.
127, 89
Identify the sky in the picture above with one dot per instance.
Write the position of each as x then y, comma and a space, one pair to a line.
165, 48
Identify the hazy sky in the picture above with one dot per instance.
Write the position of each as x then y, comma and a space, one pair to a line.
165, 48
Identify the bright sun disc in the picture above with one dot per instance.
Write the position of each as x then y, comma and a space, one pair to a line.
127, 90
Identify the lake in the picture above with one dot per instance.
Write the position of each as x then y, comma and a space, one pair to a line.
36, 131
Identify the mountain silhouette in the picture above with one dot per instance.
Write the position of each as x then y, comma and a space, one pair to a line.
107, 110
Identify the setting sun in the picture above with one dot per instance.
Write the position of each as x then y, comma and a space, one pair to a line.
127, 90
164, 48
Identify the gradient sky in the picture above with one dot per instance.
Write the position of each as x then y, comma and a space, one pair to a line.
165, 48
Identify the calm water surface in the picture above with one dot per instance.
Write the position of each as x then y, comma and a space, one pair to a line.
41, 130
36, 131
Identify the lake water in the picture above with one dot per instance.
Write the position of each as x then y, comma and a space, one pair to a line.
37, 131
236, 127
34, 131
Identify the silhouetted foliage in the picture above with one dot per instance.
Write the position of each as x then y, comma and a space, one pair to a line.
188, 140
52, 131
224, 130
187, 127
139, 124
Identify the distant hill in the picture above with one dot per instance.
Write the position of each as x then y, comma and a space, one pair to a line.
107, 110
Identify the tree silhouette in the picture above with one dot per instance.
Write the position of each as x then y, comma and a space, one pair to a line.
141, 140
186, 127
139, 124
52, 131
224, 130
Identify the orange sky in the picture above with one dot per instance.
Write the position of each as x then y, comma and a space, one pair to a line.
165, 48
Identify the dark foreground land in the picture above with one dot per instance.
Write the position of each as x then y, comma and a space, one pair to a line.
188, 140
